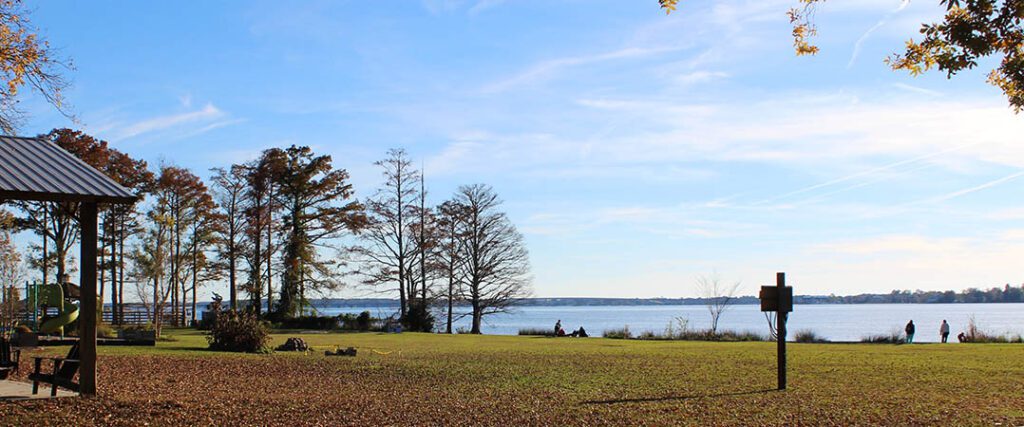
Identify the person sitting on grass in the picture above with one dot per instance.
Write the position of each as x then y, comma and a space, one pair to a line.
962, 337
582, 333
560, 332
910, 332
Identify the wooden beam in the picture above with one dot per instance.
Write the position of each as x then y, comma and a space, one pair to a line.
87, 312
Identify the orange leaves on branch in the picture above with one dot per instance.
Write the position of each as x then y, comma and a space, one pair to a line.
803, 27
668, 5
25, 59
970, 30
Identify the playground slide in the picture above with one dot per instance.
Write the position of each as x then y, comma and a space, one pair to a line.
52, 295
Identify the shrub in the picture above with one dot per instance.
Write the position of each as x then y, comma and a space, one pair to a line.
544, 332
418, 318
976, 335
619, 334
364, 321
685, 334
320, 323
241, 332
104, 330
808, 336
894, 337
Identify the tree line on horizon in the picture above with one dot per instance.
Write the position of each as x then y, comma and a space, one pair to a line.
1007, 293
278, 230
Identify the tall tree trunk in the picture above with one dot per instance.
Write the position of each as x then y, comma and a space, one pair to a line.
174, 272
113, 266
270, 246
103, 271
476, 318
423, 239
120, 271
195, 278
451, 302
46, 239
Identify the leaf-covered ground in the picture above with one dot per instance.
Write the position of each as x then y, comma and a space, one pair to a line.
420, 379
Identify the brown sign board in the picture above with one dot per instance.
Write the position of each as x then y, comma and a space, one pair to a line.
773, 300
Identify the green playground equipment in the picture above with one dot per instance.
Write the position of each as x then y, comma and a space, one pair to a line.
51, 296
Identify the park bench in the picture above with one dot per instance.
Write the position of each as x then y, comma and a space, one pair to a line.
64, 370
9, 358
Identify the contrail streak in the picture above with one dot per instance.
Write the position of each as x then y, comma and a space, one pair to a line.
863, 173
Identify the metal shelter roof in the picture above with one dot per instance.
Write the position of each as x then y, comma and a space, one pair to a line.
36, 169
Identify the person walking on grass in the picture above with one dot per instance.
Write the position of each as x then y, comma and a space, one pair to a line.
944, 331
910, 332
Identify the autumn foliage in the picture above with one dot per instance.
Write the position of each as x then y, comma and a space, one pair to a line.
239, 332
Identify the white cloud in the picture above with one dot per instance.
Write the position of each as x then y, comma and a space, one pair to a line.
975, 189
909, 261
549, 68
161, 123
864, 37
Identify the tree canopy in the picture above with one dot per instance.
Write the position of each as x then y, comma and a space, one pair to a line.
971, 30
25, 58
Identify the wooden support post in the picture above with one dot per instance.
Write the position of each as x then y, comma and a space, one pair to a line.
780, 328
87, 301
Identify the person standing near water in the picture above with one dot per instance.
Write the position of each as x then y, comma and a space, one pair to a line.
944, 331
558, 326
910, 331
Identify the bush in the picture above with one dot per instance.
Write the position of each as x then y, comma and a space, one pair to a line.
104, 330
320, 323
894, 337
618, 334
976, 335
683, 333
808, 336
544, 332
364, 321
240, 332
418, 318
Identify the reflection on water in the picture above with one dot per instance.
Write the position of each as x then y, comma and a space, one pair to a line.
837, 322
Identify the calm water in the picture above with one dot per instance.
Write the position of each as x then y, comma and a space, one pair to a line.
837, 322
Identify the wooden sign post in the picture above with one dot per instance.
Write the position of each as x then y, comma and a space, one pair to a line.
779, 298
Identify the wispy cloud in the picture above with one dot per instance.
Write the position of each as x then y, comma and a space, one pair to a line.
699, 77
864, 37
549, 68
975, 189
483, 5
861, 174
916, 89
189, 123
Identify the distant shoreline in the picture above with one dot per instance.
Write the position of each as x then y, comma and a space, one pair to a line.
604, 302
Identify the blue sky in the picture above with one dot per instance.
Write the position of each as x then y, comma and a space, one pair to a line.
635, 151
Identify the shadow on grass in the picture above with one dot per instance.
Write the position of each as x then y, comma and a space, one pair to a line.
674, 398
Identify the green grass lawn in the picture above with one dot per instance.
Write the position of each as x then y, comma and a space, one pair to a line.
415, 379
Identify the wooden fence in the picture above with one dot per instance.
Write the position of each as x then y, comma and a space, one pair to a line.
133, 316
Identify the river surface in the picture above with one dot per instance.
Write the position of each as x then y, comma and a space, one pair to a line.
836, 322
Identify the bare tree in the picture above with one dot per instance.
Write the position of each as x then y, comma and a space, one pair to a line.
229, 193
448, 259
717, 296
388, 249
151, 261
495, 264
11, 273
